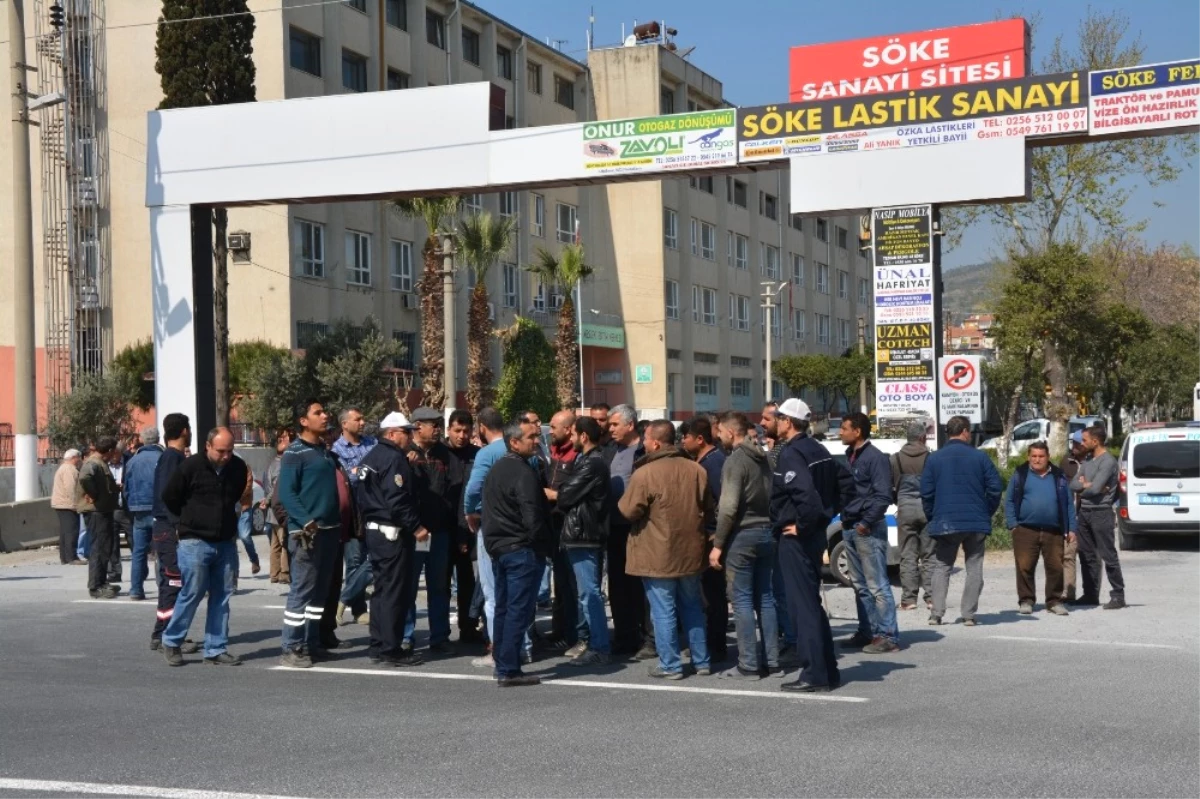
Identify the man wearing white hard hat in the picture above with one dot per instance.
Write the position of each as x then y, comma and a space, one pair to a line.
387, 500
799, 515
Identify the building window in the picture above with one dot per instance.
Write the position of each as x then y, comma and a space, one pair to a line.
768, 205
512, 285
843, 284
470, 46
737, 193
401, 266
822, 230
396, 80
310, 249
308, 333
708, 306
797, 269
564, 92
799, 324
774, 319
739, 362
841, 237
305, 52
533, 77
357, 5
675, 355
739, 386
354, 71
508, 203
739, 312
706, 357
671, 293
473, 202
358, 258
567, 217
537, 221
822, 278
864, 290
670, 229
510, 122
708, 241
770, 261
798, 223
539, 298
666, 100
695, 236
822, 329
741, 251
706, 385
396, 12
435, 29
843, 333
407, 359
701, 184
504, 62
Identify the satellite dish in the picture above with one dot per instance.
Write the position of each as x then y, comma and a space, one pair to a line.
631, 41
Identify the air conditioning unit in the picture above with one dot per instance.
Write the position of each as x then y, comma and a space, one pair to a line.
409, 301
239, 241
491, 312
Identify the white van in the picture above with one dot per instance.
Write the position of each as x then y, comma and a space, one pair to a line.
1159, 482
1023, 435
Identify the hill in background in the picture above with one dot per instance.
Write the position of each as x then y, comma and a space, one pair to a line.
970, 289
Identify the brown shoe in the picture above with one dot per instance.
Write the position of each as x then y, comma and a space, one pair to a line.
908, 605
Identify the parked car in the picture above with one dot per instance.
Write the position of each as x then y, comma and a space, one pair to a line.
1076, 423
1159, 483
1023, 435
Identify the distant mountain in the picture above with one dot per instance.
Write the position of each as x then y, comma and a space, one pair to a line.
968, 289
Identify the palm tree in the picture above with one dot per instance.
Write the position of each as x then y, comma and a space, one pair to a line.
482, 239
436, 212
565, 271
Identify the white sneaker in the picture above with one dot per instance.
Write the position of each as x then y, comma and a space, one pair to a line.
485, 662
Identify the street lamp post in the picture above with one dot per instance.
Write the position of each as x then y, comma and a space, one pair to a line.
770, 292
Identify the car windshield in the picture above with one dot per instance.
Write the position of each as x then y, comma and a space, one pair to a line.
1167, 459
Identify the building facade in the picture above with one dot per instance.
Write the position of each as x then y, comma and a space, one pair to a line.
672, 319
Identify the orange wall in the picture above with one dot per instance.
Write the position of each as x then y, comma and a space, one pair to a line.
8, 386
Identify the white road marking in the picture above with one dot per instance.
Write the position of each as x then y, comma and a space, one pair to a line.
572, 682
106, 789
122, 601
1084, 643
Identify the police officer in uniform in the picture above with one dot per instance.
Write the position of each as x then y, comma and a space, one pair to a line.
392, 524
799, 517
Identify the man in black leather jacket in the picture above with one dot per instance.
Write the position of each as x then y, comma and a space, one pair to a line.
583, 500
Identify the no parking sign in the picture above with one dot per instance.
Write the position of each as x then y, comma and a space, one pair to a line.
960, 392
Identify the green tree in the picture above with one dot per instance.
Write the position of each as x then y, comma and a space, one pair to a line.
356, 377
1163, 373
137, 361
244, 356
98, 405
1008, 379
437, 213
274, 385
564, 271
848, 372
527, 377
482, 240
1117, 332
204, 53
800, 372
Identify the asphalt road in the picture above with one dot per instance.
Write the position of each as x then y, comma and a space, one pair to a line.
1099, 703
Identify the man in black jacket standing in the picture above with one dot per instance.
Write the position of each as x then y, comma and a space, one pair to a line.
432, 466
177, 431
462, 551
516, 534
799, 517
392, 522
204, 492
582, 499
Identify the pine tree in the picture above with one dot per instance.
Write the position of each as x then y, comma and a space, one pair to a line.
204, 55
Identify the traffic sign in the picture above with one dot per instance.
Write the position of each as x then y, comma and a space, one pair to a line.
960, 391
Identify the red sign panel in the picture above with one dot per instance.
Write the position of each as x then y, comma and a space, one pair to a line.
921, 60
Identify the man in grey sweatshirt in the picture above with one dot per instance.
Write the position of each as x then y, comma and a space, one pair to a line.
745, 541
1096, 486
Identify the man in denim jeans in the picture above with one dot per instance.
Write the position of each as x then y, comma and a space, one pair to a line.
668, 502
139, 500
864, 527
743, 535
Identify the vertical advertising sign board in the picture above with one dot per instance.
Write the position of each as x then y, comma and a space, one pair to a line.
902, 261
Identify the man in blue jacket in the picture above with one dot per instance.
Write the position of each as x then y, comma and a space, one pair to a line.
138, 485
1040, 512
960, 491
864, 529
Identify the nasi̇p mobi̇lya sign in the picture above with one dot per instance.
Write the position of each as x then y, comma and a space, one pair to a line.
902, 263
924, 59
1045, 105
697, 140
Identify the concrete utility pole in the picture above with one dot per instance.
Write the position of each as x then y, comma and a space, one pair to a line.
25, 377
769, 293
862, 349
449, 359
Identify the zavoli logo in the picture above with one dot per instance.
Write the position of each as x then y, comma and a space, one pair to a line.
654, 145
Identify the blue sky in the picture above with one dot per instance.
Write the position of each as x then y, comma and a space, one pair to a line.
745, 45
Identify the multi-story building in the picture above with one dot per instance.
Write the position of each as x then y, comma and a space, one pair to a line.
672, 318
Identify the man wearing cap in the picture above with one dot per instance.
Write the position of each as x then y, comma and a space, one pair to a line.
432, 468
1070, 468
799, 517
62, 501
392, 520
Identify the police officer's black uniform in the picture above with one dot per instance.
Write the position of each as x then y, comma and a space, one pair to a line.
391, 518
795, 501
